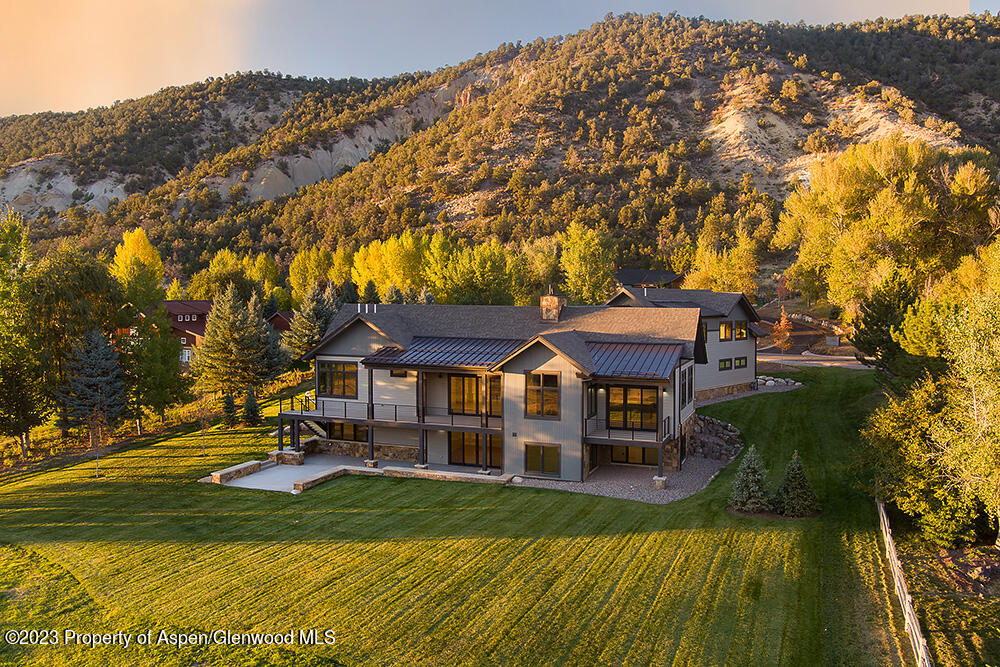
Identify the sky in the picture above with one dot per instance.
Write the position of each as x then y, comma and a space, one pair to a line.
65, 55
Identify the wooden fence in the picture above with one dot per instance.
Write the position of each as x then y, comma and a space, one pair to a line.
917, 641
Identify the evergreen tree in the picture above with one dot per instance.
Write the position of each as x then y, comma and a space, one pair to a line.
409, 294
392, 295
251, 411
750, 487
229, 415
370, 293
239, 348
795, 497
348, 292
94, 394
308, 324
425, 296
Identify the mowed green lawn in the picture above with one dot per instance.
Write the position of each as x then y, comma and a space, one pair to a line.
409, 571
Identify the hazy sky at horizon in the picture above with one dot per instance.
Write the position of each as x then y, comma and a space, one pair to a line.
65, 55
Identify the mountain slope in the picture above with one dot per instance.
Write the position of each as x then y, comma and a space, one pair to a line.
644, 124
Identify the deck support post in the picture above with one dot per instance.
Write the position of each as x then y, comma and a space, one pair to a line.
296, 435
660, 430
281, 434
371, 463
483, 424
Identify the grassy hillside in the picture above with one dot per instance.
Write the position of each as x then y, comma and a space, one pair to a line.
444, 573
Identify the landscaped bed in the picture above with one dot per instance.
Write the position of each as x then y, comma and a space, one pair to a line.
416, 571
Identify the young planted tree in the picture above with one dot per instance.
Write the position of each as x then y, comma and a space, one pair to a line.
392, 295
782, 333
94, 395
795, 496
251, 411
230, 417
749, 492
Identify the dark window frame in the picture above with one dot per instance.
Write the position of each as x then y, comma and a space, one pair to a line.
494, 449
647, 455
494, 396
451, 404
727, 325
397, 373
542, 390
336, 369
737, 364
725, 365
543, 446
359, 433
740, 330
592, 401
626, 412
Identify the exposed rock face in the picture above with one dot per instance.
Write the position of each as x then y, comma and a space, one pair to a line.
714, 439
347, 149
32, 185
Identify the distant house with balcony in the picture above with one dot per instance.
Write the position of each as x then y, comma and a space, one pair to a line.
552, 391
187, 323
729, 328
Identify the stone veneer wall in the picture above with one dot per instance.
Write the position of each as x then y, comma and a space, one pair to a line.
716, 392
360, 450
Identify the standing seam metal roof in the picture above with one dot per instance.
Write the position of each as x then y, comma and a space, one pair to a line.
442, 351
639, 360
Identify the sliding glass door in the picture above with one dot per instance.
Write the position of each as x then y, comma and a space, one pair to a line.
632, 407
464, 450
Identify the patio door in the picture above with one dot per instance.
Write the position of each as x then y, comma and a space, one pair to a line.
632, 407
464, 449
463, 394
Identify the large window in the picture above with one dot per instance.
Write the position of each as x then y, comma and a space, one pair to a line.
740, 329
349, 432
635, 455
687, 386
725, 330
541, 395
632, 407
464, 450
495, 391
337, 379
541, 459
463, 395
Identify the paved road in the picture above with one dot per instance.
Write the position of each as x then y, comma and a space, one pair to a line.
811, 360
803, 335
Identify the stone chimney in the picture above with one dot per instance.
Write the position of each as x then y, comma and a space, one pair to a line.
551, 306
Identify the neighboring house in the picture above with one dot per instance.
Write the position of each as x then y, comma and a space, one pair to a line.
648, 278
187, 321
730, 331
553, 391
281, 320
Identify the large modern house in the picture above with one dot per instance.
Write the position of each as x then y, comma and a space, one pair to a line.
550, 391
729, 328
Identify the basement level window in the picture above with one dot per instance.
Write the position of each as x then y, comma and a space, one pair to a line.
740, 362
725, 364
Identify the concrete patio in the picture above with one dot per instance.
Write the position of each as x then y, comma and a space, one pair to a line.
318, 468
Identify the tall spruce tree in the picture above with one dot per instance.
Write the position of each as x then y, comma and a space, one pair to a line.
239, 348
230, 417
251, 411
348, 292
309, 323
94, 395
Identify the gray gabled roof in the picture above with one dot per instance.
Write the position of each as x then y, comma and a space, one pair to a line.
712, 304
419, 332
446, 352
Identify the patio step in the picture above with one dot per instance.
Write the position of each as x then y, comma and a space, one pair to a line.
266, 464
